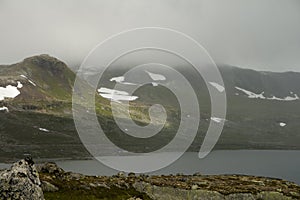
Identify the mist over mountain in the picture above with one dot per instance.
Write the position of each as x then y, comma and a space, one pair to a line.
256, 34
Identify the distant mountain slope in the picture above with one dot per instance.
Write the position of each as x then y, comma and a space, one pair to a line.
43, 77
272, 84
262, 107
36, 117
246, 83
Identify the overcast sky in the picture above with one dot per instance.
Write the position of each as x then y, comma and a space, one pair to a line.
257, 34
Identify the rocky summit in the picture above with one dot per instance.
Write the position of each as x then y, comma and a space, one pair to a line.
21, 181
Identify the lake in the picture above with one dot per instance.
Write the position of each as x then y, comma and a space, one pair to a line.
271, 163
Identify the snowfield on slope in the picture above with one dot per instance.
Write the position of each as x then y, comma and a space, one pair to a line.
10, 91
253, 95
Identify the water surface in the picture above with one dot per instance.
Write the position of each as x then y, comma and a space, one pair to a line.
270, 163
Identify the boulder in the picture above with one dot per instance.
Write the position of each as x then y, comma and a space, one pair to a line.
21, 181
48, 187
50, 168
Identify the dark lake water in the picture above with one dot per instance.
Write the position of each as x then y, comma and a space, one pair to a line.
270, 163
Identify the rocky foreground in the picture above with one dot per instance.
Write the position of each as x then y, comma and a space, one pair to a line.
24, 180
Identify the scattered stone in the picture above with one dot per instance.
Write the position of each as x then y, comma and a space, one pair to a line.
202, 183
133, 198
131, 174
50, 168
197, 174
76, 176
48, 187
177, 187
93, 185
121, 175
194, 187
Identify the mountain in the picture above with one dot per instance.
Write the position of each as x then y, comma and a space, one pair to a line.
44, 78
278, 84
36, 109
37, 116
262, 107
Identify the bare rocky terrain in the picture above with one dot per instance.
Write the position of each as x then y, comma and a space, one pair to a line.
24, 180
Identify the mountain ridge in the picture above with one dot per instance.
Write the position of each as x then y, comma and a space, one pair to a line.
38, 121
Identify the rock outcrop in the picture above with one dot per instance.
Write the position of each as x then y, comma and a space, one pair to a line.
167, 187
219, 187
171, 193
21, 181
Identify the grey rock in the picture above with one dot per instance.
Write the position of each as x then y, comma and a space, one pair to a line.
50, 168
21, 181
170, 193
48, 187
121, 175
131, 174
76, 176
134, 198
194, 187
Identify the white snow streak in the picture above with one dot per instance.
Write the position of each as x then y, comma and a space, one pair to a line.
115, 95
219, 87
253, 95
156, 77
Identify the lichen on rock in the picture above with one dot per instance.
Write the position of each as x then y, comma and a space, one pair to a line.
21, 181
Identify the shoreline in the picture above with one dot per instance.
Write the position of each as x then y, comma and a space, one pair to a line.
49, 181
9, 160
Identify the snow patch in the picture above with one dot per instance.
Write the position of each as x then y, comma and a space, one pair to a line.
118, 79
112, 91
121, 79
20, 85
156, 77
154, 84
30, 81
275, 98
288, 98
44, 130
4, 109
218, 120
219, 87
282, 124
9, 92
115, 95
253, 95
